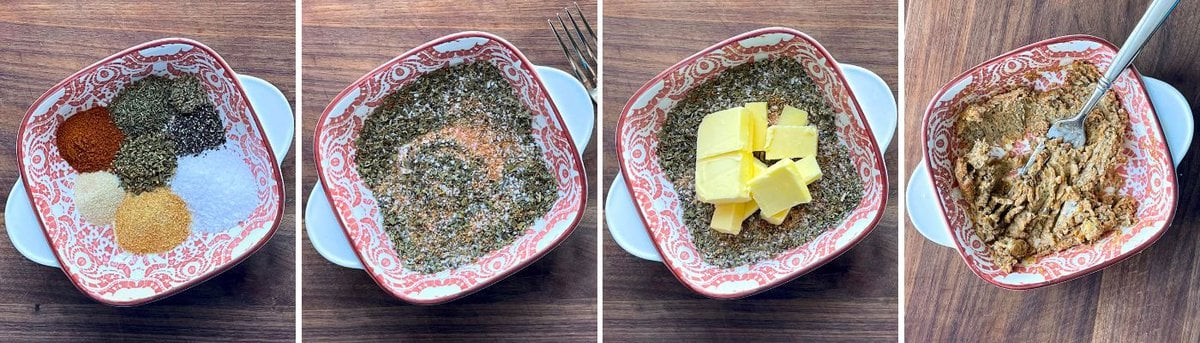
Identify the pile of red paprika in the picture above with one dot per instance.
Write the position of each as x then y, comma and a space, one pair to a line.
89, 140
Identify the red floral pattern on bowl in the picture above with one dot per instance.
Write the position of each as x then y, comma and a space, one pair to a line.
1149, 173
355, 206
658, 203
88, 253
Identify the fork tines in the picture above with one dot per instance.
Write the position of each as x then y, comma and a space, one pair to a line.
581, 52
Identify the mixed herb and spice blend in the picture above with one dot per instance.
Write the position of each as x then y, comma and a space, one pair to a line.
1070, 196
779, 82
157, 167
452, 161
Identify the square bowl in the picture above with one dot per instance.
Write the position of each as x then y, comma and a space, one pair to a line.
1149, 172
88, 253
658, 204
355, 206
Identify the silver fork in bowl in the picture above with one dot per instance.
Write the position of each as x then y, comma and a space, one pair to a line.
1071, 130
581, 52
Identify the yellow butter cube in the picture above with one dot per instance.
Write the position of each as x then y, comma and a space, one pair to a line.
808, 169
804, 196
750, 208
775, 219
720, 179
728, 218
757, 169
789, 141
723, 132
758, 125
792, 116
725, 218
779, 188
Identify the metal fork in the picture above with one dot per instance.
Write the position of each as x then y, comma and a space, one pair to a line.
1071, 130
582, 52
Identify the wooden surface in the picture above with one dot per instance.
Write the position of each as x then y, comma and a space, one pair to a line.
1151, 297
43, 42
553, 299
854, 297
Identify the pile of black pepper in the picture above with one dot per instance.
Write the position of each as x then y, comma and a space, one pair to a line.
162, 119
779, 82
452, 160
197, 131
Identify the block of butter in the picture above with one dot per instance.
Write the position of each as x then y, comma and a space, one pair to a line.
723, 132
731, 178
808, 169
790, 141
779, 188
758, 125
792, 116
757, 169
728, 218
722, 179
775, 219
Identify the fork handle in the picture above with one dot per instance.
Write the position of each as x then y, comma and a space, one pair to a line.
1156, 14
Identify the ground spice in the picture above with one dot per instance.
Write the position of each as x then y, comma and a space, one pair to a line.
451, 160
1069, 196
152, 222
218, 187
197, 131
779, 82
89, 140
188, 94
97, 196
145, 162
144, 106
452, 219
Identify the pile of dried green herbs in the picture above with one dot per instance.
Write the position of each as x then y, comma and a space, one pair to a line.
180, 107
452, 161
162, 119
145, 162
144, 106
779, 82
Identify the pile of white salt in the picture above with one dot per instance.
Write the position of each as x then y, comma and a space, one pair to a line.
218, 187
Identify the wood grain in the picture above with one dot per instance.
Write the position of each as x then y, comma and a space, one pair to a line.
852, 298
42, 42
1151, 297
553, 299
